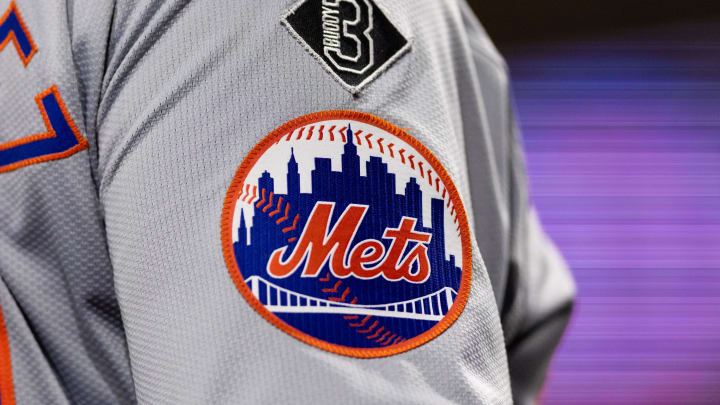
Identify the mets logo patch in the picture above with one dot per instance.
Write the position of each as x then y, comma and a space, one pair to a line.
347, 233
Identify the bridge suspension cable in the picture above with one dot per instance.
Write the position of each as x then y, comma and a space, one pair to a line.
430, 307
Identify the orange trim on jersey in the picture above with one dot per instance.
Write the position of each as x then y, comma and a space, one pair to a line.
229, 255
82, 142
11, 36
7, 393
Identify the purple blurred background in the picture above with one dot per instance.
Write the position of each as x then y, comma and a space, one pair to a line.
622, 134
619, 103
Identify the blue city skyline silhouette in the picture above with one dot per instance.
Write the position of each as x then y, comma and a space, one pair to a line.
377, 190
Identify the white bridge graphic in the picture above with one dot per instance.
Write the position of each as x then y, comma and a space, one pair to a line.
431, 307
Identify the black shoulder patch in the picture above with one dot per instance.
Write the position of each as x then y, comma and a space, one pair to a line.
353, 39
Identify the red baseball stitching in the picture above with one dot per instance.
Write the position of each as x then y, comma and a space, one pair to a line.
277, 210
399, 343
342, 298
262, 201
374, 324
384, 339
342, 133
376, 334
334, 289
268, 204
411, 158
367, 138
284, 217
245, 193
361, 323
384, 335
294, 225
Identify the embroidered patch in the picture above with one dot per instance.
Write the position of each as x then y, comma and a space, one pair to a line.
352, 39
347, 233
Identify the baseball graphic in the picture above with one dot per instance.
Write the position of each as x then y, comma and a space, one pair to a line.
347, 233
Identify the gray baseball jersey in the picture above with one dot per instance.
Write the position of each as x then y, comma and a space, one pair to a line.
289, 201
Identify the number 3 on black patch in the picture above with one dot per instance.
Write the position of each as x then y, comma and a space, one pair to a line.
352, 39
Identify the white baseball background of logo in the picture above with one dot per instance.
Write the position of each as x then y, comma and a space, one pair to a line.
274, 160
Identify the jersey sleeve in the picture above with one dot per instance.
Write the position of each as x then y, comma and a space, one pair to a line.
61, 334
533, 286
539, 295
194, 89
228, 134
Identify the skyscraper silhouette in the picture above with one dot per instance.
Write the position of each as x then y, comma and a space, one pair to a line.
377, 190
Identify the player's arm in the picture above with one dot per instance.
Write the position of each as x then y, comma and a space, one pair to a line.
241, 149
533, 287
539, 293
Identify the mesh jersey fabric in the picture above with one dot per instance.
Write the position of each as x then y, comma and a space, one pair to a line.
63, 322
171, 96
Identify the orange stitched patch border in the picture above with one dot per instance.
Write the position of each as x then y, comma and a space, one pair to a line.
236, 190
